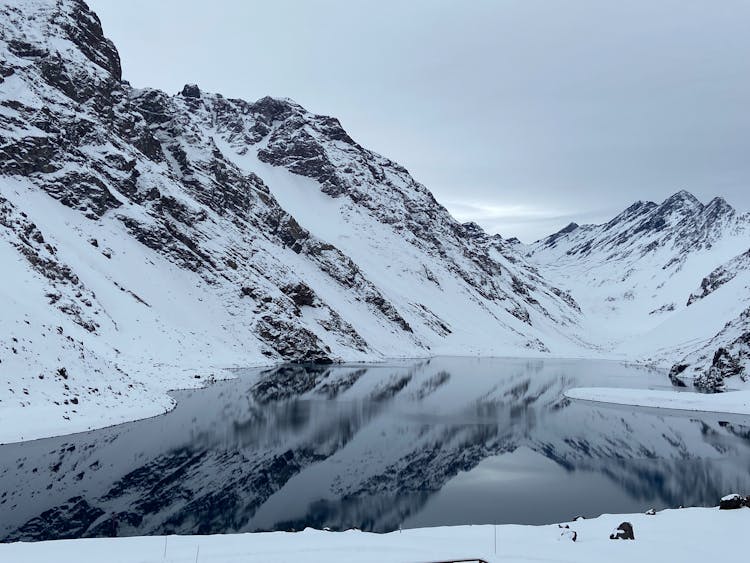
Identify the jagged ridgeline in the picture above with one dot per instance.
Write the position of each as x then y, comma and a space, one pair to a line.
668, 282
140, 227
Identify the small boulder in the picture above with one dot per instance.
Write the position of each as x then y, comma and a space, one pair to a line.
623, 532
651, 512
732, 502
301, 294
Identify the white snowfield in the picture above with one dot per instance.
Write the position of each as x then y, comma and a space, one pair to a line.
685, 535
732, 402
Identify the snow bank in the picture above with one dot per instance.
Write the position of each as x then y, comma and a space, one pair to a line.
25, 420
687, 535
733, 402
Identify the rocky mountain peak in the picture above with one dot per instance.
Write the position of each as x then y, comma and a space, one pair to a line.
84, 29
718, 208
276, 109
552, 239
681, 221
30, 27
683, 197
681, 203
473, 230
190, 91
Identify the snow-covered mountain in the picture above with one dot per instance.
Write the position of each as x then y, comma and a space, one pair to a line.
667, 282
147, 238
142, 229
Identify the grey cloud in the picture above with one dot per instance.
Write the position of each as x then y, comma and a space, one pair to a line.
581, 106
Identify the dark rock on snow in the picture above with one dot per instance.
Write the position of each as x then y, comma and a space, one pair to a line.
733, 502
623, 532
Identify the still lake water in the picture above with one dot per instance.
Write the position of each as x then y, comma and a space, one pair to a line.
377, 447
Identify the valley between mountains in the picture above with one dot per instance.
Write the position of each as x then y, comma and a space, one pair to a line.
149, 240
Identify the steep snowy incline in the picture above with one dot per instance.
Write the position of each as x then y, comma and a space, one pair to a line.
145, 235
668, 283
370, 207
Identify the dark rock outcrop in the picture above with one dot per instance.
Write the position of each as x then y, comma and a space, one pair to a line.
623, 532
732, 502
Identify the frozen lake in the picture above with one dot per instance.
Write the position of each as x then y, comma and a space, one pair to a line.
403, 444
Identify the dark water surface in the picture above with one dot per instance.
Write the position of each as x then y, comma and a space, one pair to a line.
410, 443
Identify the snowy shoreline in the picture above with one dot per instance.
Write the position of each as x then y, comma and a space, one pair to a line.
730, 402
28, 422
687, 535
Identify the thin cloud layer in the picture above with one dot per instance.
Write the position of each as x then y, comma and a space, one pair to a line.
579, 106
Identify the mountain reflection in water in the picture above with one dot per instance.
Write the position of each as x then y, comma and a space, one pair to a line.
408, 443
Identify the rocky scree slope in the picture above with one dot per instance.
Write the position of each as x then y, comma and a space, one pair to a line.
141, 229
668, 282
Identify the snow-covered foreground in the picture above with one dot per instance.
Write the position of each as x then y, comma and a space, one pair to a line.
733, 402
686, 535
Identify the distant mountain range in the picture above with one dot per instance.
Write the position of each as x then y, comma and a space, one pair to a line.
142, 229
666, 283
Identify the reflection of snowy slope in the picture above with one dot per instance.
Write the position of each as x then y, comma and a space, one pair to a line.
249, 454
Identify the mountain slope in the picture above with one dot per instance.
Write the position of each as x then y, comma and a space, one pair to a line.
659, 281
141, 229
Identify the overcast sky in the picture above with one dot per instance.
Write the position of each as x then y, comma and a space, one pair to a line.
520, 114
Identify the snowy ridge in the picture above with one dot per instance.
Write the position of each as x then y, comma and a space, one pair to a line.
145, 232
635, 278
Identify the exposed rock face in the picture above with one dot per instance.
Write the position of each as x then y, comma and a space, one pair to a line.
725, 357
623, 532
674, 374
191, 91
732, 502
720, 276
